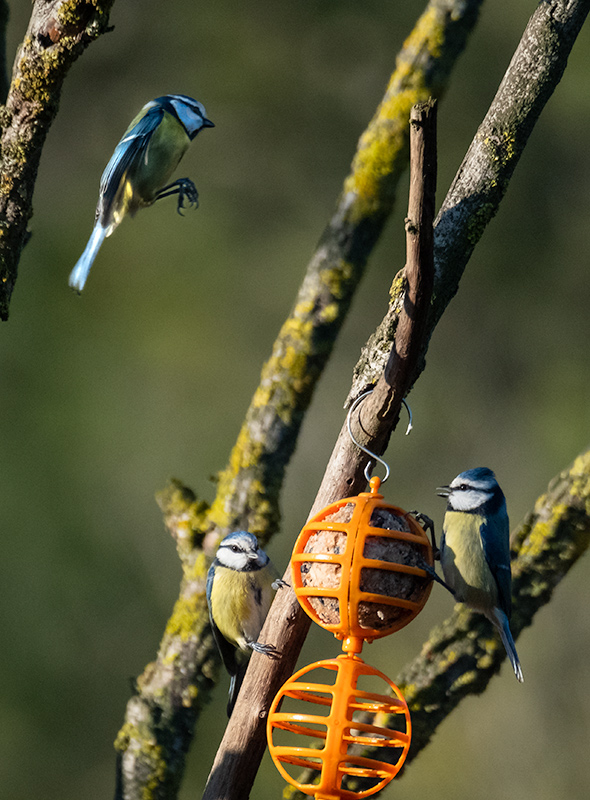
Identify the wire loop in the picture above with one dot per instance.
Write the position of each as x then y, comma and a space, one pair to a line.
373, 456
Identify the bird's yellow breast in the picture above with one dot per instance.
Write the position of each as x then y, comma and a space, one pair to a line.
167, 146
240, 603
145, 177
465, 567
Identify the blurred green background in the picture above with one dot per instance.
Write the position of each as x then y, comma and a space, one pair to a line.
148, 374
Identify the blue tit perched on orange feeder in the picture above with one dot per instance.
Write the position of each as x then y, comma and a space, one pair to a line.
141, 166
475, 550
241, 584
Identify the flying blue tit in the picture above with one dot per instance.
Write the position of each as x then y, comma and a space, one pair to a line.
241, 584
475, 550
139, 170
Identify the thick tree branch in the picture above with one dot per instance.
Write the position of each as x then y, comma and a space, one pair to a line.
244, 741
152, 752
58, 32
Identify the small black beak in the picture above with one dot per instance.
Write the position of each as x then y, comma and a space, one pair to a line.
443, 491
207, 123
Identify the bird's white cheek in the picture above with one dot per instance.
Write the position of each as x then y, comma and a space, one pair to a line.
232, 560
467, 501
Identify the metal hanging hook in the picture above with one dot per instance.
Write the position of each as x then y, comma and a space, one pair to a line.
373, 456
410, 425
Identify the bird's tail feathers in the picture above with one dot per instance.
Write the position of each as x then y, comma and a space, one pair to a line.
234, 687
503, 626
80, 272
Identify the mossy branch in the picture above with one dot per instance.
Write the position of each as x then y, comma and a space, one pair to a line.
249, 487
58, 32
160, 719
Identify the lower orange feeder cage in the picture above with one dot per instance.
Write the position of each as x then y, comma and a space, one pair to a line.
345, 724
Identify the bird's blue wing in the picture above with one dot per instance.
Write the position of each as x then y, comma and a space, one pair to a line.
495, 536
131, 150
443, 543
209, 586
226, 650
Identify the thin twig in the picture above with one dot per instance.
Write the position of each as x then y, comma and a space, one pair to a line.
482, 179
244, 742
384, 404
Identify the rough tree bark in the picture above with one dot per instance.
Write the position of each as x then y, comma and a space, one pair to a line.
3, 71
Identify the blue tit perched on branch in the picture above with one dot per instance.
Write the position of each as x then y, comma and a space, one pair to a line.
475, 550
241, 584
139, 170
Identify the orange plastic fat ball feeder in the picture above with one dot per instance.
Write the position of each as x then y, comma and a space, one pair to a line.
356, 572
355, 567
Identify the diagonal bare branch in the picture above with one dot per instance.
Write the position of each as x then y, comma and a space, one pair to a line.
244, 741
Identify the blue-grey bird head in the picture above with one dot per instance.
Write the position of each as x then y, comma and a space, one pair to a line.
241, 551
190, 113
473, 491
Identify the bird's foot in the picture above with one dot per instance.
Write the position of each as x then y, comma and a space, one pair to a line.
431, 572
279, 584
186, 191
428, 526
265, 649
